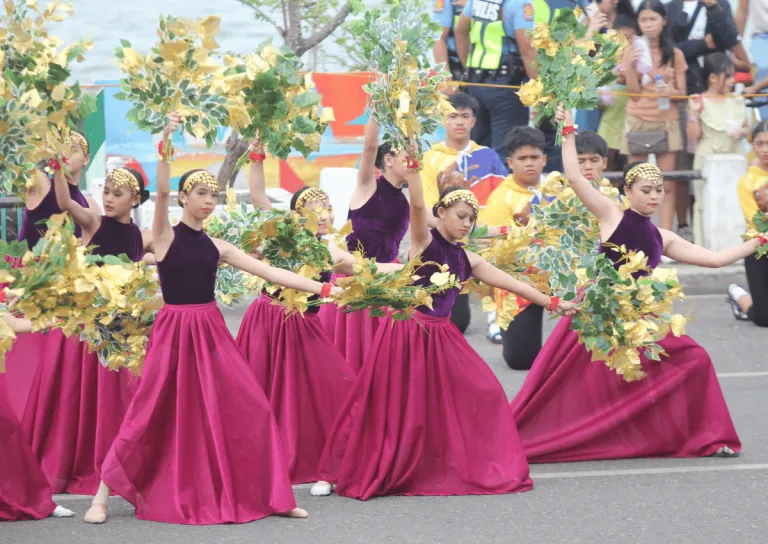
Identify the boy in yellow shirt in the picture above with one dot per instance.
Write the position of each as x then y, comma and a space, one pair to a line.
511, 203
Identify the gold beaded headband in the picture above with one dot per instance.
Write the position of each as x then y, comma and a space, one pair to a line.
462, 195
646, 171
75, 138
202, 177
120, 177
311, 194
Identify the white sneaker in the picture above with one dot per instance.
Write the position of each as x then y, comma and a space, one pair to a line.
735, 292
321, 489
61, 512
686, 233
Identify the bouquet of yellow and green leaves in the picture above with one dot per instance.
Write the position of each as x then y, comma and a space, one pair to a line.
761, 229
38, 108
284, 239
552, 249
272, 96
109, 302
176, 76
404, 95
624, 313
571, 66
396, 291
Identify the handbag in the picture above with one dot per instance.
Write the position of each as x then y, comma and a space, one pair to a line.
644, 143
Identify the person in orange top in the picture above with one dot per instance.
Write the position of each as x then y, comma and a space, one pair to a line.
753, 196
652, 120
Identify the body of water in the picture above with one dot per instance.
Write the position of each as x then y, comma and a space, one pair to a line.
107, 21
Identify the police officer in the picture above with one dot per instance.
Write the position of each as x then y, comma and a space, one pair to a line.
492, 42
447, 13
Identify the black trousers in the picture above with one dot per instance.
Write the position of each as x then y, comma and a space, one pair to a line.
460, 313
521, 342
757, 278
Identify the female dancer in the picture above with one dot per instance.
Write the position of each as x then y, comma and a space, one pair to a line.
24, 493
678, 410
379, 214
41, 204
753, 196
426, 415
304, 376
75, 405
198, 444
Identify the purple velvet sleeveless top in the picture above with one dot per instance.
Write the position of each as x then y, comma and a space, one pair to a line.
31, 231
116, 238
188, 271
441, 251
380, 224
325, 277
637, 233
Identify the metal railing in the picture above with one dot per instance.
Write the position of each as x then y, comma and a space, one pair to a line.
11, 209
675, 175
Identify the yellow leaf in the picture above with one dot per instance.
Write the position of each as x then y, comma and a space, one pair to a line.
326, 116
678, 325
211, 25
59, 91
440, 278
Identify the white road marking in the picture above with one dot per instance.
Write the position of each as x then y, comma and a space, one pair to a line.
742, 374
536, 475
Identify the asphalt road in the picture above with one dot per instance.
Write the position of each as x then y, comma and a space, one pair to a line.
681, 501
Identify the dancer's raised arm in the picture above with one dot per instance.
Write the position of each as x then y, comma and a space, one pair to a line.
606, 210
162, 232
87, 218
420, 234
366, 173
257, 184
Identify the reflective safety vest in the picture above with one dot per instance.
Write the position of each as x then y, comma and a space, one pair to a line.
489, 41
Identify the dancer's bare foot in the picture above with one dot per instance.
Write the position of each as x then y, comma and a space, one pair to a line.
96, 514
725, 451
295, 513
321, 489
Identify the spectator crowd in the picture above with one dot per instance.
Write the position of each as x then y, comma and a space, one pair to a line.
683, 92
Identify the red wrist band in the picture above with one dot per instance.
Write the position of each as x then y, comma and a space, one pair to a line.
504, 230
325, 291
256, 157
165, 150
569, 130
554, 302
54, 164
763, 239
411, 164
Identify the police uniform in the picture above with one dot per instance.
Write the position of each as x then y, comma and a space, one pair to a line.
447, 15
494, 58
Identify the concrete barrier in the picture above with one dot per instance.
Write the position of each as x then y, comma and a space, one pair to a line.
718, 210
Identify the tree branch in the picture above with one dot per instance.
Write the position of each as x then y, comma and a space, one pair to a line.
316, 38
235, 148
294, 38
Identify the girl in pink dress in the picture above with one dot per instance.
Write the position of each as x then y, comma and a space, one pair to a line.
378, 211
199, 444
75, 405
24, 490
304, 376
572, 409
426, 415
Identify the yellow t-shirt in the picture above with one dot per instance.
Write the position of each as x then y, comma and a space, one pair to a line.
754, 179
505, 201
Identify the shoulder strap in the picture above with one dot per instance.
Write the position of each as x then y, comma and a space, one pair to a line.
692, 20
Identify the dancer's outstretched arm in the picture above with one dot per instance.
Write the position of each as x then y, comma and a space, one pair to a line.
490, 275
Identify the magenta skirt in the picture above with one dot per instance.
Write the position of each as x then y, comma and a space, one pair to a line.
71, 407
426, 416
199, 444
571, 409
303, 375
352, 333
24, 490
